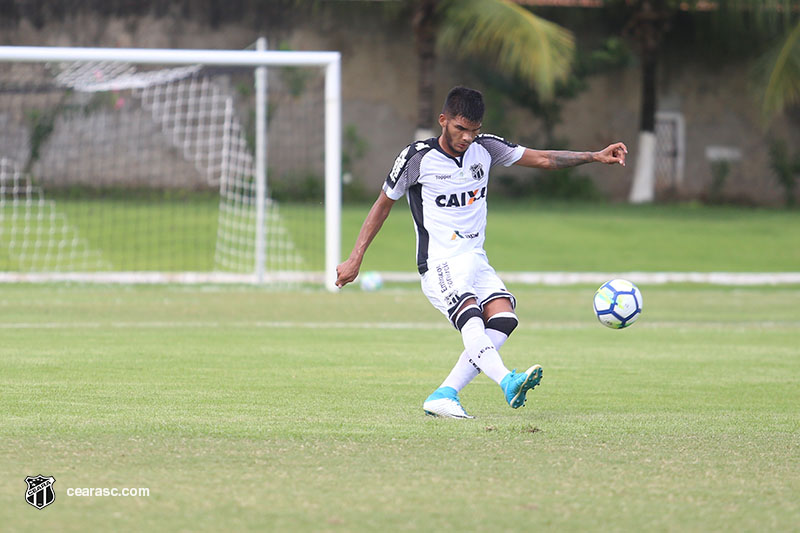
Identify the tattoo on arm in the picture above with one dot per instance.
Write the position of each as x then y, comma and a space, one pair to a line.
563, 159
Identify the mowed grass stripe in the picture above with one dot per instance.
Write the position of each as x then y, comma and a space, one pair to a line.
710, 324
180, 234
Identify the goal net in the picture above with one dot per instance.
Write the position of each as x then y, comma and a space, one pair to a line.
211, 166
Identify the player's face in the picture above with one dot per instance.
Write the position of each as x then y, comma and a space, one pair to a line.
457, 134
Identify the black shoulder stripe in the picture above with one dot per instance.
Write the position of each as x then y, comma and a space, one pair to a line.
400, 163
488, 138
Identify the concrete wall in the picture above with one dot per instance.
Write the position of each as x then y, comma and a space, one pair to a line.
379, 91
719, 109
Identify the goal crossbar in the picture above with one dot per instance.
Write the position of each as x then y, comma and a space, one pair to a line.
161, 56
329, 60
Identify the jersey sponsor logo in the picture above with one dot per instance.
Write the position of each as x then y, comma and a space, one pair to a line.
460, 200
443, 176
462, 235
477, 171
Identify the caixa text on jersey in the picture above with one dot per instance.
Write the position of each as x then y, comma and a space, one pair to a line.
460, 200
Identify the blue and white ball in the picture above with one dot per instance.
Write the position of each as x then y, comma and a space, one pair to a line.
618, 303
370, 281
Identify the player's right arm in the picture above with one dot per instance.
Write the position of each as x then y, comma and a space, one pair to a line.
395, 186
347, 271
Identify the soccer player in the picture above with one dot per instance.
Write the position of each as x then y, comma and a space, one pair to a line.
446, 180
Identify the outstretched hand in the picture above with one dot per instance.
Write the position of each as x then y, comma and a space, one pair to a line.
613, 153
346, 272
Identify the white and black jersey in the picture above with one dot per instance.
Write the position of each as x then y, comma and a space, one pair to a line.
448, 195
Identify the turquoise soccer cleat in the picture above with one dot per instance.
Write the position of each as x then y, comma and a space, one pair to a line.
515, 386
444, 403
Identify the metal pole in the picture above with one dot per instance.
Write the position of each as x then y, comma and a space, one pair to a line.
333, 171
261, 163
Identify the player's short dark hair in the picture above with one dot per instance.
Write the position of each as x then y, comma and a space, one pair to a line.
464, 102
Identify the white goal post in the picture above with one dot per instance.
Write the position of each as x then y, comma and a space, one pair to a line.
19, 181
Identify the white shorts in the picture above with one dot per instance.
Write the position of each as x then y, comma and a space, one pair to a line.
449, 282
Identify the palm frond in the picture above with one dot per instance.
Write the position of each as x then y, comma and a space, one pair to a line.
538, 51
783, 81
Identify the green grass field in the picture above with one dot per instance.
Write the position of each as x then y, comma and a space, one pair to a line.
539, 236
180, 234
243, 409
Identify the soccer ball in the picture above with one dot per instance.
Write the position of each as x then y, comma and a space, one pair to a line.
618, 303
370, 281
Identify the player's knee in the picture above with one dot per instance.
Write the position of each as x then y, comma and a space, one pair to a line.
465, 314
505, 322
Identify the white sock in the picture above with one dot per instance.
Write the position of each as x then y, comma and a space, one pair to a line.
465, 371
482, 350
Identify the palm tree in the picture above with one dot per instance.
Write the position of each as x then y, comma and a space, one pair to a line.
540, 52
647, 25
649, 21
517, 41
782, 80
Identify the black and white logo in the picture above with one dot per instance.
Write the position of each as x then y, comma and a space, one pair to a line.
477, 171
398, 166
452, 299
40, 491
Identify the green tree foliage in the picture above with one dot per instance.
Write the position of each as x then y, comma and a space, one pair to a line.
517, 42
786, 168
611, 54
538, 52
780, 75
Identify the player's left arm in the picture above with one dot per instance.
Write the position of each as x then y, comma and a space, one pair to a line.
554, 159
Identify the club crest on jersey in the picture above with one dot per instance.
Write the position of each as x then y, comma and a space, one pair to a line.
460, 200
477, 171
